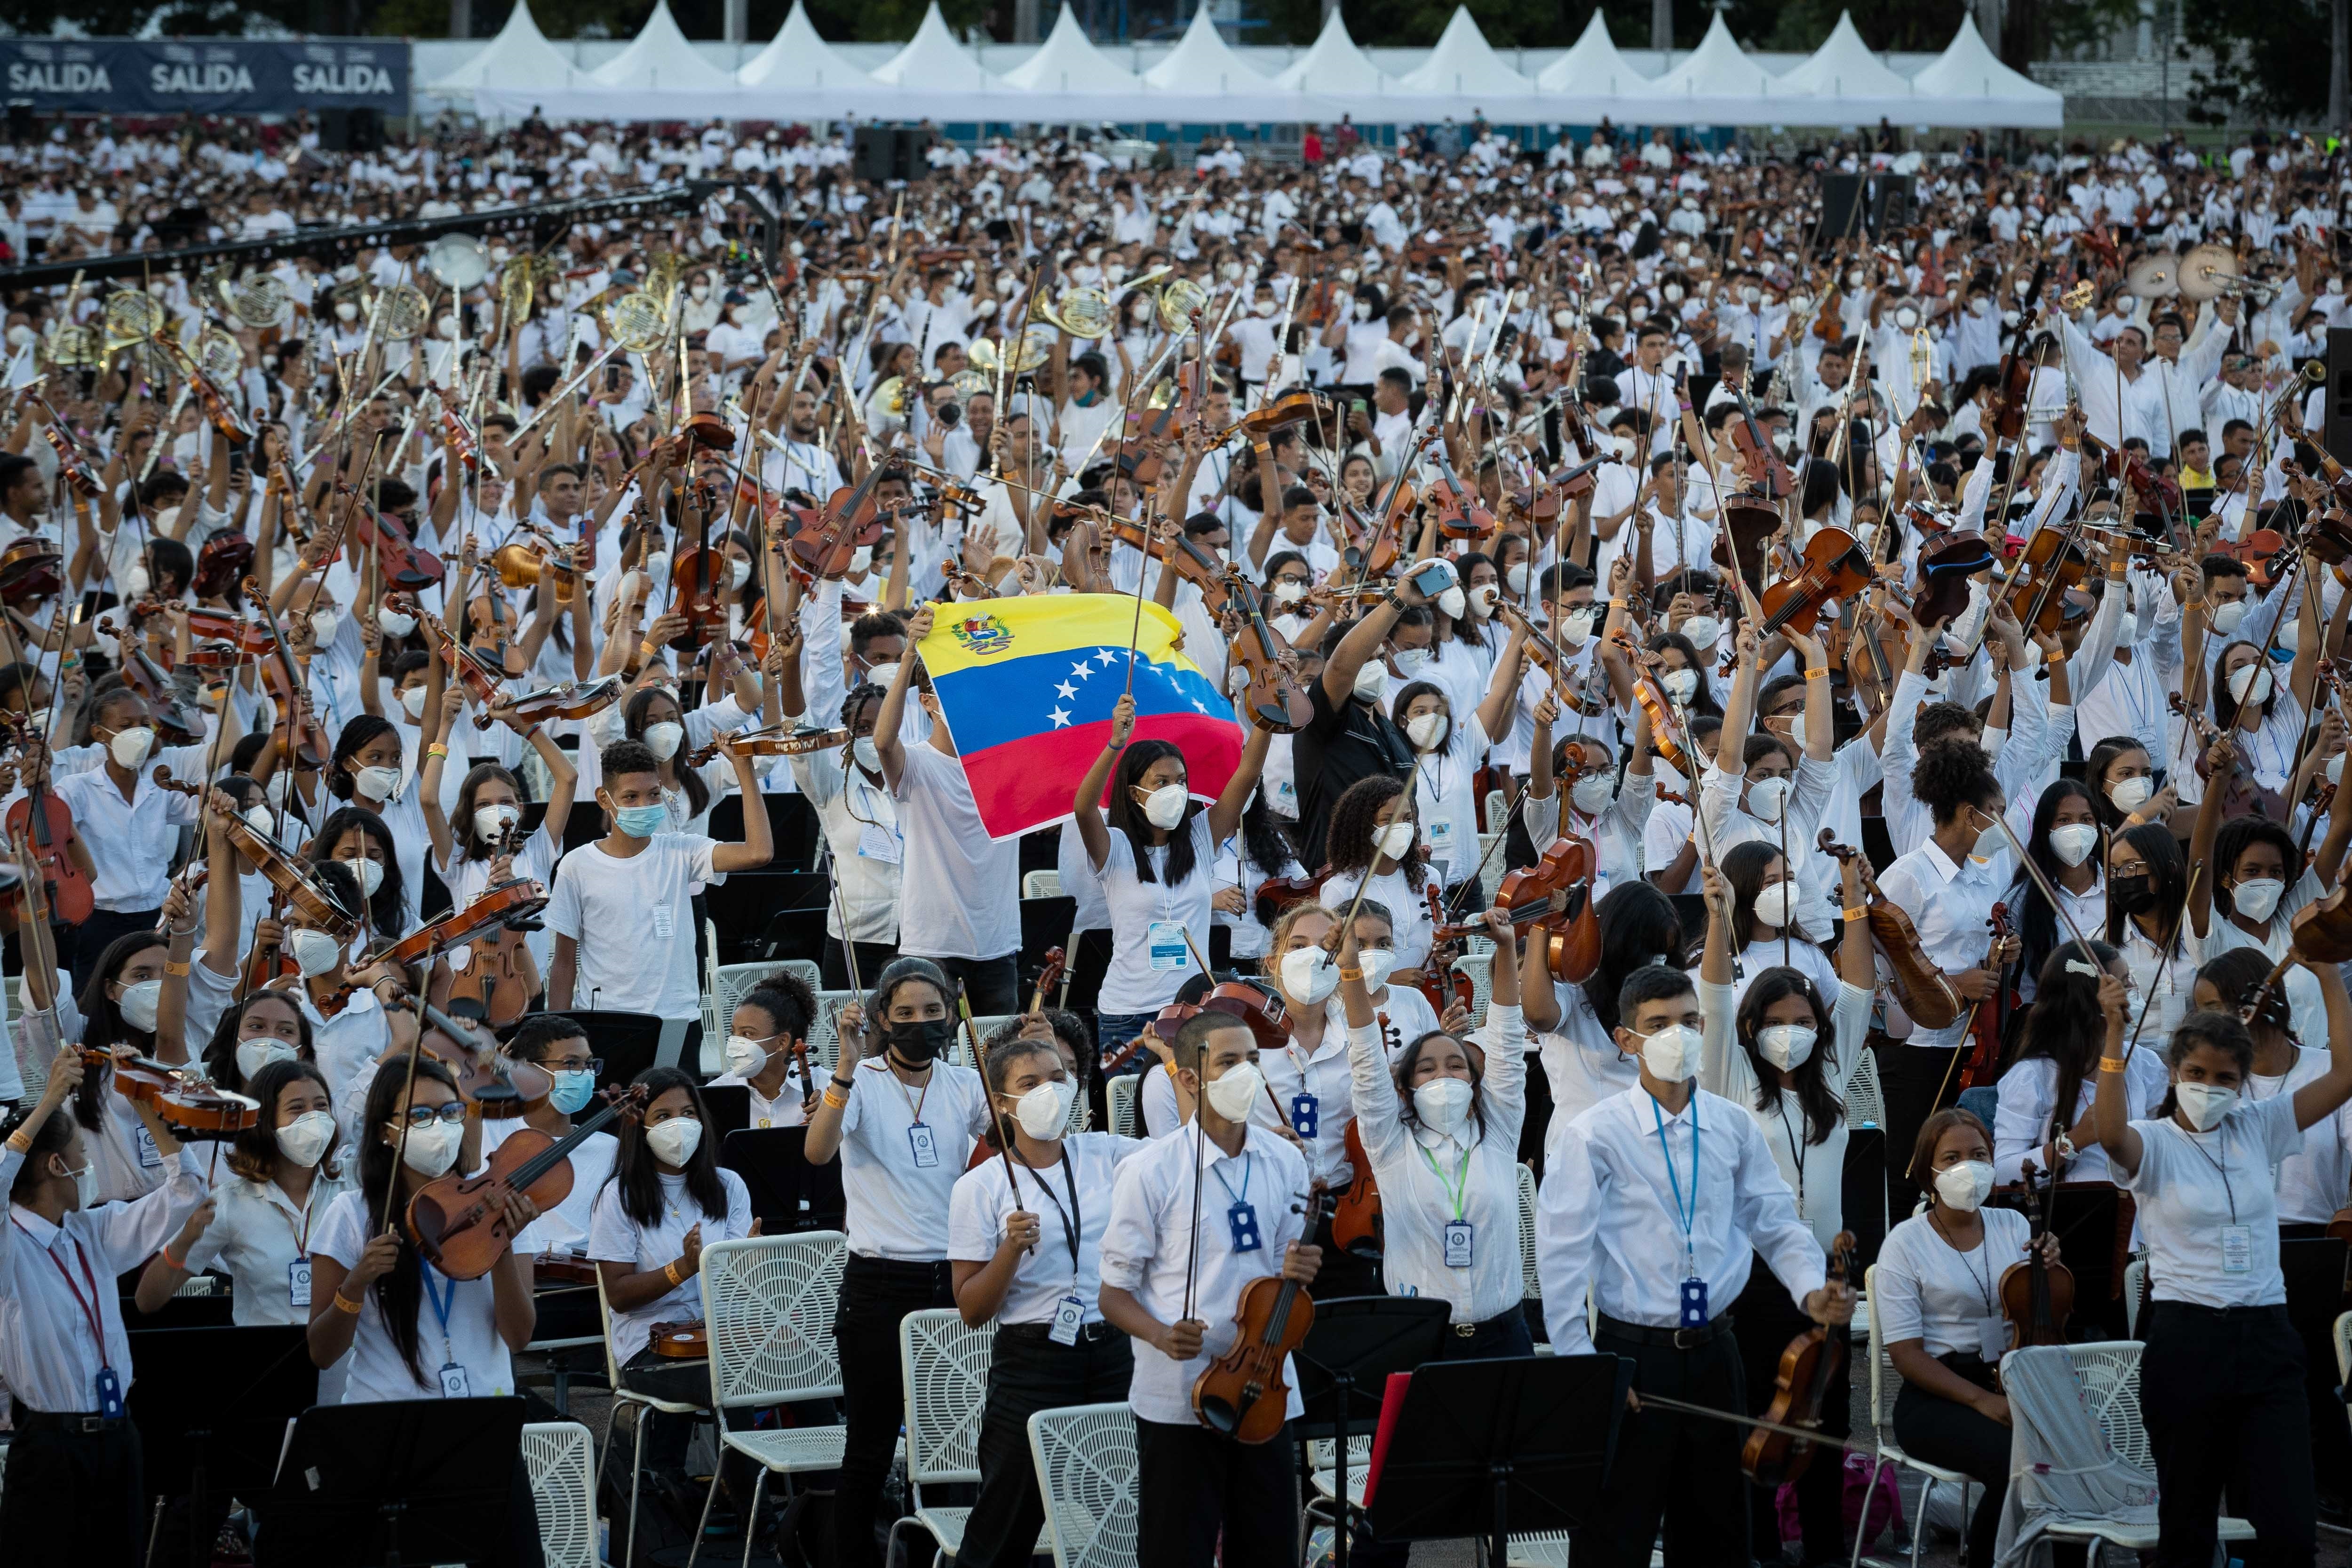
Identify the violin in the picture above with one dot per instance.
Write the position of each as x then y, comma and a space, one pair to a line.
1356, 1211
1440, 981
223, 418
772, 742
1190, 563
1807, 1367
1651, 698
564, 699
1947, 563
1460, 513
1571, 939
293, 881
851, 520
682, 1341
1253, 1002
2011, 399
1833, 566
222, 563
1139, 458
1242, 1394
514, 904
1922, 989
1056, 962
193, 1109
2243, 795
500, 976
1276, 894
485, 684
459, 1223
1271, 698
45, 825
73, 467
30, 571
401, 564
2037, 581
1983, 1064
2037, 1296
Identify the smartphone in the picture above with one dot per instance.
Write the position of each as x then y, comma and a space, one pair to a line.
1433, 579
611, 378
236, 460
1363, 408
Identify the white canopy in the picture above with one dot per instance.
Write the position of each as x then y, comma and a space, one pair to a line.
1202, 62
933, 59
1718, 85
1334, 67
519, 57
1967, 85
1843, 84
1463, 64
1067, 64
659, 68
1592, 68
799, 57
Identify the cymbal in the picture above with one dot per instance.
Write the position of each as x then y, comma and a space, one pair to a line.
2156, 276
2207, 271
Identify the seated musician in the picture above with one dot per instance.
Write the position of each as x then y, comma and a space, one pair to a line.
1663, 1226
765, 1040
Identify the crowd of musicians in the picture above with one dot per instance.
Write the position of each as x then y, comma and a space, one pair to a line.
1700, 669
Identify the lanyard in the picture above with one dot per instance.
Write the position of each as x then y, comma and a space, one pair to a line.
1984, 1244
302, 1237
1796, 1155
2221, 1168
1688, 1218
89, 1305
441, 1303
1073, 1222
1457, 1191
1218, 1171
914, 1101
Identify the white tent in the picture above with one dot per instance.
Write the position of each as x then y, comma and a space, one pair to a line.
1202, 62
1717, 85
1334, 67
1463, 64
799, 57
1967, 85
1846, 84
659, 59
1592, 68
519, 59
935, 61
1067, 65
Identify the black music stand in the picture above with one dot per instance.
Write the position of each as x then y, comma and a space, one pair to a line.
726, 1107
205, 1434
1343, 1370
396, 1483
626, 1043
787, 1191
1490, 1449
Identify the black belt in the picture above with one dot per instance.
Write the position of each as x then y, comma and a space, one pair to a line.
75, 1422
1672, 1339
1088, 1334
1469, 1330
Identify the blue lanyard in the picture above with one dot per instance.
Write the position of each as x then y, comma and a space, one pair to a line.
441, 1303
1239, 1198
1688, 1218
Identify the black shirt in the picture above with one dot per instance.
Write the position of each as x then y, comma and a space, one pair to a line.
1357, 741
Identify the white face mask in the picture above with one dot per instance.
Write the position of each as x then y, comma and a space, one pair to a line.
377, 783
394, 623
261, 821
1576, 626
129, 748
1262, 307
1289, 591
1393, 839
1765, 797
2257, 900
2227, 616
1991, 841
1786, 1046
2072, 843
1412, 661
1516, 574
1308, 976
1672, 1054
1452, 601
314, 952
866, 754
2204, 1104
413, 699
1681, 684
1483, 600
675, 1140
1044, 1112
1233, 1095
1425, 730
254, 1055
346, 311
1164, 808
1593, 793
368, 873
305, 1139
431, 1150
1372, 680
2130, 794
1444, 1104
137, 1003
1775, 906
1963, 1186
1702, 631
492, 823
744, 1056
882, 675
663, 739
1379, 963
2250, 686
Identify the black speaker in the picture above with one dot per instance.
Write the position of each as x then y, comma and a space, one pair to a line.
1884, 201
884, 154
367, 130
334, 131
2338, 432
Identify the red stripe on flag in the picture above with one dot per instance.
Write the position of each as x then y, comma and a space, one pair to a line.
1028, 783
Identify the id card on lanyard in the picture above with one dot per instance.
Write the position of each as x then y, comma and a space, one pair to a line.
1693, 1294
453, 1381
1070, 1310
107, 1387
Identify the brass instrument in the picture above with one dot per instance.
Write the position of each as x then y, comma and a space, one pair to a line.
456, 261
638, 321
1178, 301
1031, 351
257, 301
1080, 312
402, 313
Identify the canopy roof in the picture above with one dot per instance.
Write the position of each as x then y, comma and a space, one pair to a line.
660, 60
520, 57
1465, 62
1202, 62
798, 57
1068, 62
934, 60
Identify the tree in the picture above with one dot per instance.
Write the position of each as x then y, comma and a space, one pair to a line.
2267, 62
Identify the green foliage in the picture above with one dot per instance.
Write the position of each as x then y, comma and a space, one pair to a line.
2269, 63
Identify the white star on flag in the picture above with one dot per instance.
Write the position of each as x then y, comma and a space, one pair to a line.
1066, 690
1082, 669
1109, 655
1061, 718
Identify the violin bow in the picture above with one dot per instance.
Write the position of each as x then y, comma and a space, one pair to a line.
2164, 961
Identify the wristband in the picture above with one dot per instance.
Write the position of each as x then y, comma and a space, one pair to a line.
2111, 1064
1821, 674
843, 1084
1854, 914
669, 1272
835, 1101
174, 969
179, 1263
343, 1306
1351, 975
1616, 602
437, 750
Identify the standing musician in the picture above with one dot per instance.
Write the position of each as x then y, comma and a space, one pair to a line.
1039, 1281
903, 1121
1659, 1199
1194, 1219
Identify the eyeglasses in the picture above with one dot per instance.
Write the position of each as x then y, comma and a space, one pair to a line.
452, 1114
588, 1064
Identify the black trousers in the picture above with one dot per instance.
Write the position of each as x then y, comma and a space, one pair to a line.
876, 1294
73, 1497
1504, 1334
1029, 1373
1681, 1471
1950, 1434
2221, 1393
871, 957
993, 986
1768, 1320
1195, 1486
91, 937
1915, 1082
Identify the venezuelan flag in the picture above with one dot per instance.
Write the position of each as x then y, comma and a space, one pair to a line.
1027, 685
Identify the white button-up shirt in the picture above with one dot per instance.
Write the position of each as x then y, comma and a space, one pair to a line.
1608, 1216
1323, 1073
131, 841
1147, 1249
48, 1357
257, 1233
1949, 906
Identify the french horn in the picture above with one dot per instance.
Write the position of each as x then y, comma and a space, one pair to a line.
132, 316
638, 321
258, 301
1080, 312
402, 313
1178, 302
456, 261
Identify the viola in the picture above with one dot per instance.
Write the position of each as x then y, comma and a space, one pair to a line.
1242, 1394
1808, 1366
1356, 1211
1440, 981
1571, 939
2037, 1296
188, 1105
1983, 1064
459, 1223
500, 976
1922, 989
30, 571
1272, 697
1831, 566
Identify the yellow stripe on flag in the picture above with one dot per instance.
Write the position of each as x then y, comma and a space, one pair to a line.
972, 633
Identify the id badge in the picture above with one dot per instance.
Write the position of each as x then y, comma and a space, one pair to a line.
1694, 1304
926, 1145
1458, 1234
454, 1384
149, 1156
1069, 1317
1441, 838
1164, 941
110, 1392
876, 841
2237, 1249
1286, 799
297, 1282
1992, 1339
1243, 1220
1306, 1114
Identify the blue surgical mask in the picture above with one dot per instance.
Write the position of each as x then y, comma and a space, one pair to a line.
574, 1086
641, 821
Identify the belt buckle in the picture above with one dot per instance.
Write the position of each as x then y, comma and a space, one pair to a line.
88, 1425
1464, 1331
1689, 1338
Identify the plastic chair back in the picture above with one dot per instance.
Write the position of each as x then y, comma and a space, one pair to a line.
559, 1456
768, 1302
1086, 1464
944, 1366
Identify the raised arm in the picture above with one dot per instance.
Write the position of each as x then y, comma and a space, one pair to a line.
2110, 1109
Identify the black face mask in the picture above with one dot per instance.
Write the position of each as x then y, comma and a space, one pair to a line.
917, 1041
2134, 894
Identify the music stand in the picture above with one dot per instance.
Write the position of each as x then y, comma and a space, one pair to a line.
206, 1435
728, 1107
1490, 1449
394, 1483
1344, 1365
774, 1163
626, 1043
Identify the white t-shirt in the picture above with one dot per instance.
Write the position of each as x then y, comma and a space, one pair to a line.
1147, 967
469, 1343
1072, 1203
2194, 1189
615, 1237
976, 912
633, 921
898, 1196
1924, 1291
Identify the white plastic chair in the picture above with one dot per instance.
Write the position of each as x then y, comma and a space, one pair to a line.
1041, 884
1123, 1095
825, 1039
1498, 812
558, 1455
1530, 1283
967, 1048
2343, 1356
1085, 1456
768, 1302
2134, 1292
730, 982
1480, 968
943, 1365
1886, 1382
643, 1404
2109, 1373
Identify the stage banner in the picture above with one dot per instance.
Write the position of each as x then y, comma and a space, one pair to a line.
203, 76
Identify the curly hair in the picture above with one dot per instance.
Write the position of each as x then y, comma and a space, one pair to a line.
1952, 774
1348, 842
